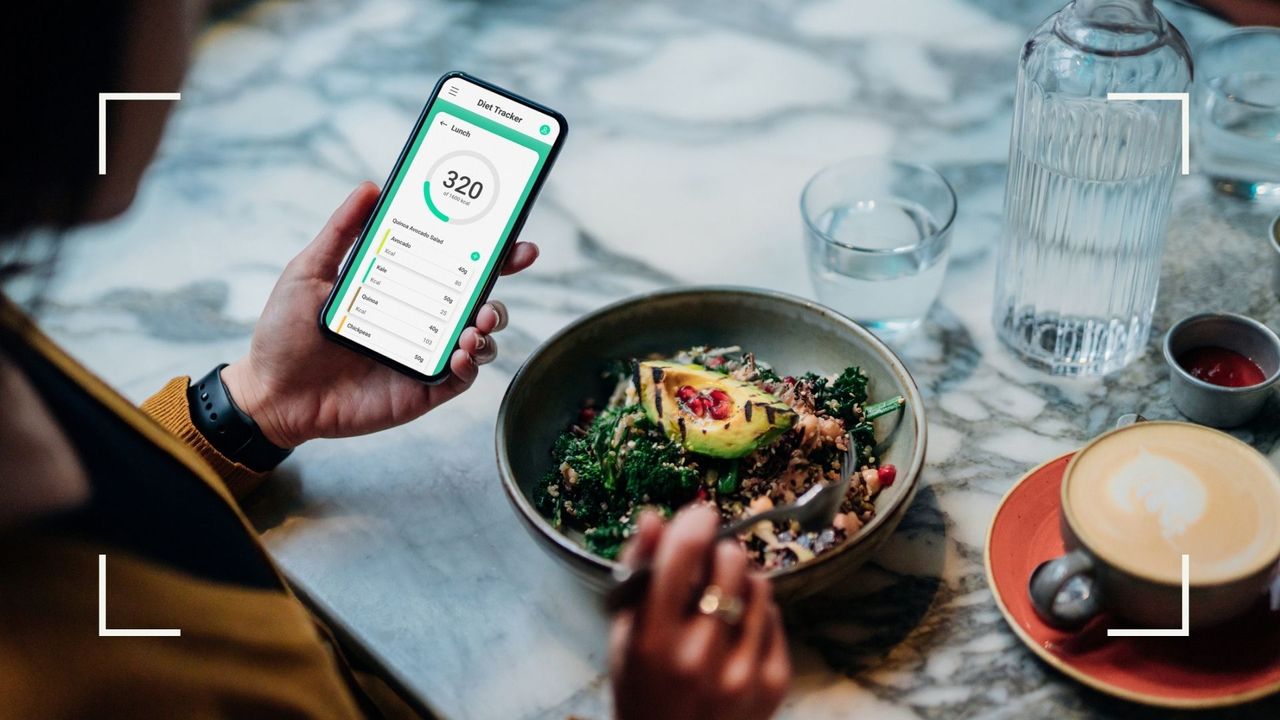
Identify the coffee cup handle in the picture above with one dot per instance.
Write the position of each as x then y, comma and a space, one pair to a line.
1046, 586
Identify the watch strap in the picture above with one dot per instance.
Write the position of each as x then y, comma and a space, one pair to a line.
229, 429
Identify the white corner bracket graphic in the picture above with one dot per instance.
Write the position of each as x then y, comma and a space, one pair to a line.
1185, 99
1275, 589
1185, 630
102, 117
103, 630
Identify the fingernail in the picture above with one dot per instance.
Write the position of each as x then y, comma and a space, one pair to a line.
481, 343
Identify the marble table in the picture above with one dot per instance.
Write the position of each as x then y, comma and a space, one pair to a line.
717, 111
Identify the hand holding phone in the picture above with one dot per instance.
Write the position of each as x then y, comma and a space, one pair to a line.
297, 385
443, 226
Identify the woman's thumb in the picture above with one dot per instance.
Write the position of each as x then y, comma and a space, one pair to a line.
323, 256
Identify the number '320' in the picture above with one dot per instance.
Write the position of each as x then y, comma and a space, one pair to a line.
463, 185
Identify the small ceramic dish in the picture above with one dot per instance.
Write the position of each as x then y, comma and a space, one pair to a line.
1219, 405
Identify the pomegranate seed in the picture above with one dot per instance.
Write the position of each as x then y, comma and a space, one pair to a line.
698, 406
702, 493
789, 380
587, 416
888, 474
721, 404
686, 393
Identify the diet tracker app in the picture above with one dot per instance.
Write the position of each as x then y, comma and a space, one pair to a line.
435, 241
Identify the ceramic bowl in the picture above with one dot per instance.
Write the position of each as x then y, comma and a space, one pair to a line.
792, 334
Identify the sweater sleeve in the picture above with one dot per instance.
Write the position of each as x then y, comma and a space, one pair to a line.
169, 408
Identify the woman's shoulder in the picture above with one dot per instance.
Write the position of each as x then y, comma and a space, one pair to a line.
235, 647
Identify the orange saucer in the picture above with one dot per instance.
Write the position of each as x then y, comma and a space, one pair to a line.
1214, 667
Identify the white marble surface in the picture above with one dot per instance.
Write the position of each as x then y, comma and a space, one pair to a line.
694, 126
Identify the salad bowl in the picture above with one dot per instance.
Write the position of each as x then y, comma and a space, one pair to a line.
794, 335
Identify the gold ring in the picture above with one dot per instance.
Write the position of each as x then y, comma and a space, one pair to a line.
715, 602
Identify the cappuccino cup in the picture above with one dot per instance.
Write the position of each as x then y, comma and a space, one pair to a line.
1138, 498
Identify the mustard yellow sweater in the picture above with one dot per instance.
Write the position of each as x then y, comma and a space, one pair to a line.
180, 554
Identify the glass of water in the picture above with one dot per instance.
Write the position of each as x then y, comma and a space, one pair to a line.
1237, 101
877, 232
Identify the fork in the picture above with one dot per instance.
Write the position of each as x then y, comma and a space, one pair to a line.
814, 510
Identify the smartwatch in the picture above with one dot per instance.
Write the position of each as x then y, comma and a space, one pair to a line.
229, 429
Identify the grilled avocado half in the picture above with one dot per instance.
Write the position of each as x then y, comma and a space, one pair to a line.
708, 412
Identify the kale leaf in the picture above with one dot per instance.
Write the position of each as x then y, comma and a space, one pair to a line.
622, 461
654, 473
843, 397
607, 540
766, 374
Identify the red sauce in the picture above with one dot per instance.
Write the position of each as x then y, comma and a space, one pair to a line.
1221, 366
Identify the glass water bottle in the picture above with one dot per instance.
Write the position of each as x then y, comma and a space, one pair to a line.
1087, 198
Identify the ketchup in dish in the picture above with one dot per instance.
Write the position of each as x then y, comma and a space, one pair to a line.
1221, 366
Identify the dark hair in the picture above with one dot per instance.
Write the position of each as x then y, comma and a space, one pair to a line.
58, 55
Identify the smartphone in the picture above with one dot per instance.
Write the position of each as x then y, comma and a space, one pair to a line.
448, 215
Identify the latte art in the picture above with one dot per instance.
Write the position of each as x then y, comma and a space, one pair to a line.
1144, 496
1160, 487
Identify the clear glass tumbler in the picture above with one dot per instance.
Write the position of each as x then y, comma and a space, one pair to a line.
877, 233
1237, 103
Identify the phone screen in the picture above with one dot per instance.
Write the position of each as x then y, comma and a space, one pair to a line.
451, 208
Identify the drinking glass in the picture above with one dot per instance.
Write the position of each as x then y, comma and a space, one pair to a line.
877, 234
1237, 102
